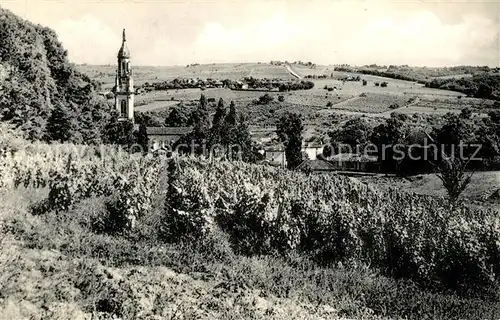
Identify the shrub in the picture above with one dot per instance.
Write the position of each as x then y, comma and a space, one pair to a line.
186, 208
266, 99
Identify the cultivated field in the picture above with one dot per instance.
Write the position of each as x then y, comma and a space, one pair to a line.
143, 74
346, 99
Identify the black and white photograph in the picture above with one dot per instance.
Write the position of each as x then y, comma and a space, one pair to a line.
265, 159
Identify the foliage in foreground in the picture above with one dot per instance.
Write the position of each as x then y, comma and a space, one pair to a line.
267, 211
59, 268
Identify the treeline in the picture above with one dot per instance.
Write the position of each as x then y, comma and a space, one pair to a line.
180, 83
217, 130
41, 92
225, 134
308, 64
292, 86
422, 72
247, 84
404, 150
484, 85
393, 74
281, 85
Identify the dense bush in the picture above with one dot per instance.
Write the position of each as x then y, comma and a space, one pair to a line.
265, 99
482, 85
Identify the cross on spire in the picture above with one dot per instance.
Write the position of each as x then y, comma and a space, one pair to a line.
123, 35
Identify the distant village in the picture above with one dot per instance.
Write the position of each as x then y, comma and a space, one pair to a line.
313, 155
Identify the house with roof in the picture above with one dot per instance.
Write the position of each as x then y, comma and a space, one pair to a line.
275, 157
165, 137
313, 150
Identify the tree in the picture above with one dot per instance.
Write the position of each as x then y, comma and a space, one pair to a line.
241, 139
354, 132
454, 132
201, 125
176, 118
386, 136
466, 113
217, 130
119, 132
327, 151
40, 79
488, 136
484, 91
142, 138
203, 102
59, 126
147, 119
265, 99
220, 114
451, 167
452, 173
230, 119
495, 116
289, 131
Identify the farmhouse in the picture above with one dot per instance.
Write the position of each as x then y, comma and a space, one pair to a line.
275, 156
312, 150
165, 137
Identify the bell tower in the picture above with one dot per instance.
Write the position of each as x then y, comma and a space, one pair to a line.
124, 84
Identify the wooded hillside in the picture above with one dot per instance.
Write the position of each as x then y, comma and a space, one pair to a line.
37, 78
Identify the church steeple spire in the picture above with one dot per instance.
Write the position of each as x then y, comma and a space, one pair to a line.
124, 84
124, 53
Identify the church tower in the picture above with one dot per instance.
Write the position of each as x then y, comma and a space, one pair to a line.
124, 84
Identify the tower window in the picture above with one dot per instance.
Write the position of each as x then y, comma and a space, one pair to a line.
123, 109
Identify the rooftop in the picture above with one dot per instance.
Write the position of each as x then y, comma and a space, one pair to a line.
172, 131
353, 157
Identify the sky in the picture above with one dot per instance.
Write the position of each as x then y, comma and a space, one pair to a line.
179, 32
